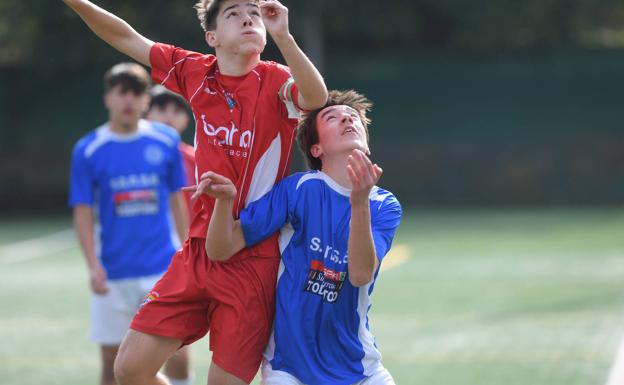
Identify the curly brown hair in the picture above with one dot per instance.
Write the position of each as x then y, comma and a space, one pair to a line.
307, 134
207, 12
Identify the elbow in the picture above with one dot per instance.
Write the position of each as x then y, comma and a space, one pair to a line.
315, 101
319, 100
361, 278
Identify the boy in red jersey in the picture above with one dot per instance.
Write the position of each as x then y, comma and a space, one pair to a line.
171, 109
246, 112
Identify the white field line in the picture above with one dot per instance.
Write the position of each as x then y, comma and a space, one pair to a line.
616, 374
37, 247
398, 255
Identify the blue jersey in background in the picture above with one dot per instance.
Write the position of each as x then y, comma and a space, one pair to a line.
129, 179
321, 333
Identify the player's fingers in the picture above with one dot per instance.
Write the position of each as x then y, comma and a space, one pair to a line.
189, 188
378, 171
357, 165
205, 175
352, 176
221, 179
201, 188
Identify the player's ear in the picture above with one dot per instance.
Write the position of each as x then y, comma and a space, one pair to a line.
316, 150
106, 99
145, 100
211, 39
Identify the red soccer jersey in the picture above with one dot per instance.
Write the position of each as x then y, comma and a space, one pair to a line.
244, 127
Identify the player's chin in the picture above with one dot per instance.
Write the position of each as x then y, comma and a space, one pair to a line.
252, 47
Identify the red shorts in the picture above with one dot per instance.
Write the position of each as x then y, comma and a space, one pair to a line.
234, 300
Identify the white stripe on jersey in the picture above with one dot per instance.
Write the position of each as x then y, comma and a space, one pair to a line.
105, 135
173, 68
265, 172
286, 234
372, 356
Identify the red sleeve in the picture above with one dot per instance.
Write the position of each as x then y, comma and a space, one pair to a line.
172, 66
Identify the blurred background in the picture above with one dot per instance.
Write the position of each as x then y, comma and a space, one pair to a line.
500, 128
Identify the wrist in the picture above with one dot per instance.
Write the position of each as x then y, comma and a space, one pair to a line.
283, 39
359, 203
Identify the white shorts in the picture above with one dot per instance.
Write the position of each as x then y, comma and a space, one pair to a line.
381, 376
111, 313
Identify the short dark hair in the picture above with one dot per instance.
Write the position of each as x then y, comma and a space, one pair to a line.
207, 12
307, 134
130, 76
162, 97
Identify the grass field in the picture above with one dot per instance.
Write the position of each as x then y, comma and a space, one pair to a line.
471, 297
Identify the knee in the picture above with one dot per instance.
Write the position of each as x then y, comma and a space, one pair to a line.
125, 372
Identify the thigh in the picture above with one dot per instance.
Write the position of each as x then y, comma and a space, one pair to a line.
111, 314
241, 322
145, 353
177, 306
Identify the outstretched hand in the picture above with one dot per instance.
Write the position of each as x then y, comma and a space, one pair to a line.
275, 18
213, 185
363, 175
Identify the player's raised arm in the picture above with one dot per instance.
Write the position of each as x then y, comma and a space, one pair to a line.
363, 260
312, 89
113, 30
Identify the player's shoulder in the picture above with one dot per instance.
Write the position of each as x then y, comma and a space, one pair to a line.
384, 199
182, 54
92, 139
159, 132
273, 68
300, 179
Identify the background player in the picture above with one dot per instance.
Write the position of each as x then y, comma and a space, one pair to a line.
171, 109
129, 170
336, 227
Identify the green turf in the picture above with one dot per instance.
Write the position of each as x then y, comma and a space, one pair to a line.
486, 298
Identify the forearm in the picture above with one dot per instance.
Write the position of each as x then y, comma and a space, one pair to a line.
180, 215
113, 30
83, 225
361, 248
310, 83
224, 237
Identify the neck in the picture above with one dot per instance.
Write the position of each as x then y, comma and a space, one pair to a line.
234, 64
336, 168
123, 129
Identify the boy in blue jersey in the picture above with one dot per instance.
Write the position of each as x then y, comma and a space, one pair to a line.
130, 173
336, 227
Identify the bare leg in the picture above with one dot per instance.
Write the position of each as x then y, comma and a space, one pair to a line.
218, 376
108, 359
141, 356
178, 366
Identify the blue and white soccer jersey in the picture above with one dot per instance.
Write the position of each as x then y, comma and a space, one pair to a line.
321, 333
128, 179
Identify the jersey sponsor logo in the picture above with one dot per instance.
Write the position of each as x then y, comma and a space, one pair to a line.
136, 202
153, 154
227, 136
324, 282
329, 252
134, 181
152, 295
